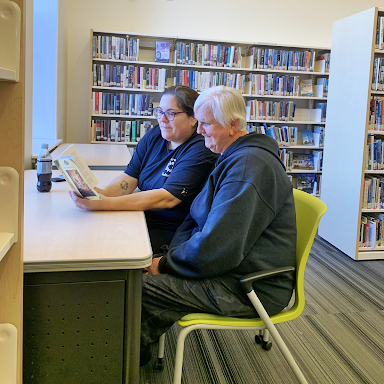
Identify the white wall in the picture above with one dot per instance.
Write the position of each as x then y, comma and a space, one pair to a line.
44, 68
62, 62
296, 22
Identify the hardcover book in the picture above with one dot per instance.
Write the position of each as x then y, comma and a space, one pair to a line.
306, 182
307, 137
302, 161
306, 87
162, 52
77, 173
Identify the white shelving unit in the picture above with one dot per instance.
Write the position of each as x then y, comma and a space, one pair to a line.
9, 202
344, 167
9, 41
306, 115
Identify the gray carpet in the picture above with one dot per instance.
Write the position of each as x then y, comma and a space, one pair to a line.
339, 338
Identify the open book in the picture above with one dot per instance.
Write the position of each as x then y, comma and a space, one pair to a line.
77, 173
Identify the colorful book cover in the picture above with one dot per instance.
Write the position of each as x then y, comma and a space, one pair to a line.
162, 52
302, 161
306, 182
306, 87
307, 136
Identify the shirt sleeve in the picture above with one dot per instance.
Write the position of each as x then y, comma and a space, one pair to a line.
190, 172
223, 242
134, 167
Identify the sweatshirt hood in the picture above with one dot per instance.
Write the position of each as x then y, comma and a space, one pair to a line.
253, 139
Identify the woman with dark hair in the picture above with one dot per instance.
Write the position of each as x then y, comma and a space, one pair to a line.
169, 166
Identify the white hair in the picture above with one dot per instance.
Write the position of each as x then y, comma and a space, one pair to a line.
226, 103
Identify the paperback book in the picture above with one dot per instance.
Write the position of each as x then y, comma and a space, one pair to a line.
306, 87
302, 161
307, 137
77, 173
162, 52
306, 182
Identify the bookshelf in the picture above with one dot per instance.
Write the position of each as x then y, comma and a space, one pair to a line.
10, 41
345, 164
199, 64
12, 86
9, 189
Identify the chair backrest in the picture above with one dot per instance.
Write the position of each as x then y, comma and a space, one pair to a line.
309, 211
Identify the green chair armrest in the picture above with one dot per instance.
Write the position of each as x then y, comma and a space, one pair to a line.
247, 280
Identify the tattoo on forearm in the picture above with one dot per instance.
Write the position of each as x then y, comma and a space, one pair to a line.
124, 187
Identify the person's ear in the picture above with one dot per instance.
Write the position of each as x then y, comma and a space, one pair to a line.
193, 121
235, 126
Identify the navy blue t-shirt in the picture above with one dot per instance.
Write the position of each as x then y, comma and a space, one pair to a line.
181, 171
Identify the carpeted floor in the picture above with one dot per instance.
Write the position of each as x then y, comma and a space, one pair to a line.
339, 338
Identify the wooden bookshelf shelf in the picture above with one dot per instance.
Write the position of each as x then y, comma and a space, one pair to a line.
377, 172
121, 89
286, 122
9, 192
372, 210
284, 97
129, 143
101, 116
300, 147
141, 63
8, 74
303, 171
6, 242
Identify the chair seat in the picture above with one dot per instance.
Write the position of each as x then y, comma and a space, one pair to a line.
206, 318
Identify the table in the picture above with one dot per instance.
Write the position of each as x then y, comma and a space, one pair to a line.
82, 288
106, 156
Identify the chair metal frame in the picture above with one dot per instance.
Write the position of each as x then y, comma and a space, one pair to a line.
309, 211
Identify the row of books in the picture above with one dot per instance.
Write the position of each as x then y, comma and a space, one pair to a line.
378, 74
136, 77
375, 154
208, 55
371, 231
302, 161
279, 59
307, 182
373, 193
104, 103
290, 136
115, 48
200, 81
127, 131
285, 136
376, 113
307, 88
272, 84
270, 110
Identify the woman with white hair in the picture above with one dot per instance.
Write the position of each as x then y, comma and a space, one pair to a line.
242, 221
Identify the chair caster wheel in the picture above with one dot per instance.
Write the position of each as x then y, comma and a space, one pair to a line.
159, 365
267, 345
258, 339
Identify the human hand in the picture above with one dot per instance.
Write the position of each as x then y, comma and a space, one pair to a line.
90, 205
153, 269
99, 190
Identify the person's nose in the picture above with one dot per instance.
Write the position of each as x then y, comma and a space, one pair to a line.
200, 128
163, 118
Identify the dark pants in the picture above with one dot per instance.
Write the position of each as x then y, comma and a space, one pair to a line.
159, 237
168, 298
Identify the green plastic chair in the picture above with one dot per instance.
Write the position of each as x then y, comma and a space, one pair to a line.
309, 211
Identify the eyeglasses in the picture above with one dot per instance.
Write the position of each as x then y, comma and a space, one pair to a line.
170, 116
